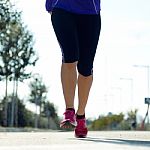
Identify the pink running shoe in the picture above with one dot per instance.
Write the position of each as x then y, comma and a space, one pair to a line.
69, 120
81, 129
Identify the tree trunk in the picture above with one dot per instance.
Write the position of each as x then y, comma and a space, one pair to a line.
40, 113
48, 125
6, 104
16, 104
13, 104
36, 113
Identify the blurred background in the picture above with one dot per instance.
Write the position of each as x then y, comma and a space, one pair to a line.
30, 60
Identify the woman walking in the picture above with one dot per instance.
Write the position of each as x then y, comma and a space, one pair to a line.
77, 25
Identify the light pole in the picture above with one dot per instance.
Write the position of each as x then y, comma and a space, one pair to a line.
131, 93
147, 99
148, 73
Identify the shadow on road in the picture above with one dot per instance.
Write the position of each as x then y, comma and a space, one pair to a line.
118, 141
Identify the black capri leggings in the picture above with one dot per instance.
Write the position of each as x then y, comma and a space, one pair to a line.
78, 36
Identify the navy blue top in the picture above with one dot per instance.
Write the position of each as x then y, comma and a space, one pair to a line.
75, 6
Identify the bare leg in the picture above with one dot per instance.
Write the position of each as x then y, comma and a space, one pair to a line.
84, 85
69, 81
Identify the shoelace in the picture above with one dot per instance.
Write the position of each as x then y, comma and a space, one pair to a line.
68, 113
81, 124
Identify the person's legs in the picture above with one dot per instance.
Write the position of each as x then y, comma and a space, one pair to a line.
78, 44
84, 85
65, 30
88, 31
69, 81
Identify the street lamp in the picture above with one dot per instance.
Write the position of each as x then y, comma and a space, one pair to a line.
148, 70
147, 99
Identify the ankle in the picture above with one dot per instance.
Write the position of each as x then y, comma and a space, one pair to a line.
80, 116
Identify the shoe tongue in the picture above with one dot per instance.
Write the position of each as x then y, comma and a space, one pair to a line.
81, 121
71, 109
68, 114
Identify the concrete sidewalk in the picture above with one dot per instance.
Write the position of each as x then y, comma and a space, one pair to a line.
102, 140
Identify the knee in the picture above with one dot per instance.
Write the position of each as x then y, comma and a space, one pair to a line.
85, 69
70, 66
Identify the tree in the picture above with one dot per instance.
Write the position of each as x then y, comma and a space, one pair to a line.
38, 95
132, 118
5, 69
24, 56
4, 14
16, 52
49, 111
25, 117
107, 122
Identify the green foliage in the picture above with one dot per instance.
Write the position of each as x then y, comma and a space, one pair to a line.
38, 91
107, 122
25, 117
16, 56
16, 48
116, 122
16, 44
5, 16
49, 110
132, 119
124, 125
16, 51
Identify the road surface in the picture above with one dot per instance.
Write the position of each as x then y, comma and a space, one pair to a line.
56, 140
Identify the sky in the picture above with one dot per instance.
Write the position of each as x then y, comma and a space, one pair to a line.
118, 85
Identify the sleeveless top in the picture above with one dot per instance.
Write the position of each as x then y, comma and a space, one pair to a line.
75, 6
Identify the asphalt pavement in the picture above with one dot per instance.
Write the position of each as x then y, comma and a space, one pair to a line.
57, 140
